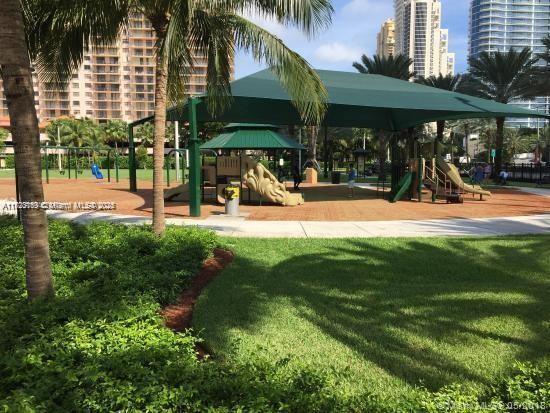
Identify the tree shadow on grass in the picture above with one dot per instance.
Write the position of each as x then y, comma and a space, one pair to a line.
409, 307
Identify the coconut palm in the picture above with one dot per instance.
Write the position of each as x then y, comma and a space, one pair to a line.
398, 66
116, 131
15, 69
61, 32
145, 133
503, 77
393, 66
448, 82
75, 132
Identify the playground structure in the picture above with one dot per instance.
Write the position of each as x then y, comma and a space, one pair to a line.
353, 100
257, 183
440, 177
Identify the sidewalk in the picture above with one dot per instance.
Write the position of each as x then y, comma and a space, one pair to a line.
239, 227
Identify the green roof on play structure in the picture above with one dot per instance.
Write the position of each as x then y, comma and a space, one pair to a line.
354, 100
251, 136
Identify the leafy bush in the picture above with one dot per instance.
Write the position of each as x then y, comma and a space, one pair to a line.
100, 344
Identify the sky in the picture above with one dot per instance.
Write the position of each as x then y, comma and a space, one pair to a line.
352, 33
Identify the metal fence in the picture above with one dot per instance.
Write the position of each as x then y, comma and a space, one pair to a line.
519, 172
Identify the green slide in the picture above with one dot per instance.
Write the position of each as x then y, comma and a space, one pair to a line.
402, 187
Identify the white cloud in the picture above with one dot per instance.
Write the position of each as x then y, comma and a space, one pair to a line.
337, 52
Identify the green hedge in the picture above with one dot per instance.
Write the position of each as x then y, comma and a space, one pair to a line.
100, 345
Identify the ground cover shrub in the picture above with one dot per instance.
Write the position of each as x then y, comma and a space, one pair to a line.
100, 344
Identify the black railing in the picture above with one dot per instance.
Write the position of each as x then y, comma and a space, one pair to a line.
518, 172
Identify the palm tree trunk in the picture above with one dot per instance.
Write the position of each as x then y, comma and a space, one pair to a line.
499, 146
161, 83
439, 140
312, 146
18, 89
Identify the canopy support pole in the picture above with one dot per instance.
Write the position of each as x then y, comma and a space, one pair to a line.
194, 162
325, 155
176, 147
131, 159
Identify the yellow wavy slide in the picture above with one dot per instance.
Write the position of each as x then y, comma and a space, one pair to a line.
454, 175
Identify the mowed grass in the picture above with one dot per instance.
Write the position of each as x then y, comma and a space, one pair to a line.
386, 315
142, 174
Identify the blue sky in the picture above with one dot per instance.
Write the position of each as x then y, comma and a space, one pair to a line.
353, 32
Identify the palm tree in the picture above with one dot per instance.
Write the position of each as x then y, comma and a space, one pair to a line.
15, 69
503, 77
448, 82
95, 139
393, 66
76, 132
146, 133
116, 131
63, 31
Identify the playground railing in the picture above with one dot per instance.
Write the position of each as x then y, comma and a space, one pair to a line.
167, 164
519, 172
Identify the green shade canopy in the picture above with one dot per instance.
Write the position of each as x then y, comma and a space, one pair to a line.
251, 136
354, 100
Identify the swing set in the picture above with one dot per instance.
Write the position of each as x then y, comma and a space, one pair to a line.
75, 153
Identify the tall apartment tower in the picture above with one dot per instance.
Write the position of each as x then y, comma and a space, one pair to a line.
385, 40
501, 25
418, 35
113, 82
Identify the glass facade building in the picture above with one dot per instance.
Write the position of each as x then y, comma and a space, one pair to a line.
501, 25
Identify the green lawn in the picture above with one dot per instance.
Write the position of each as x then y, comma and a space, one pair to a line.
142, 174
385, 314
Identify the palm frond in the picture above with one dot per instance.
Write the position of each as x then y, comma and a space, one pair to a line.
60, 32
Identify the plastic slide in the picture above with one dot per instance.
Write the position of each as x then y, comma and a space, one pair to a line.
177, 193
402, 187
454, 175
96, 171
260, 180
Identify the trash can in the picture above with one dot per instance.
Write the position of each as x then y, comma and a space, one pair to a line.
231, 194
335, 177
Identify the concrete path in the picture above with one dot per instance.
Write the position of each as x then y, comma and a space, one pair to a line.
240, 227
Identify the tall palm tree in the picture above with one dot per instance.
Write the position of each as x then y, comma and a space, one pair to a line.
398, 67
63, 30
448, 82
15, 69
503, 77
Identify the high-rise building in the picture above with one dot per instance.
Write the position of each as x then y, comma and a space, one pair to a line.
501, 25
113, 82
418, 35
386, 39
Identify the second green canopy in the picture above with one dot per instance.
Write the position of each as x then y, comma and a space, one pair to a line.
251, 136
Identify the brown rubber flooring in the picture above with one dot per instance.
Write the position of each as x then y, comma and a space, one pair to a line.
323, 203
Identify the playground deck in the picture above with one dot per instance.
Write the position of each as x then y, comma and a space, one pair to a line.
324, 202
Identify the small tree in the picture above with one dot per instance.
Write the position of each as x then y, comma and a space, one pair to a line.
146, 134
115, 131
3, 136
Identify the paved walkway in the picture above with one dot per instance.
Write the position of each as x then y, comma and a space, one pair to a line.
240, 227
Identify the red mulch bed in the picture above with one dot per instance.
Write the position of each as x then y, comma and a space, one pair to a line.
178, 316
